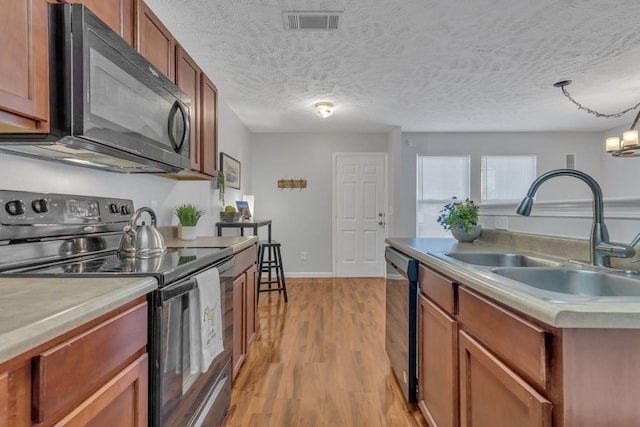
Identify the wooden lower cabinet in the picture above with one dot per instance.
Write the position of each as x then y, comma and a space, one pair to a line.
95, 375
437, 365
244, 306
4, 399
492, 395
513, 370
238, 355
250, 313
121, 402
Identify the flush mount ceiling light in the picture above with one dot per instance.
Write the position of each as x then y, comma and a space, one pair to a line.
625, 147
324, 109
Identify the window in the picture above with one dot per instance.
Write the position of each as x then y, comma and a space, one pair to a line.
507, 178
439, 179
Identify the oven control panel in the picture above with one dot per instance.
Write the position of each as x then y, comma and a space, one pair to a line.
27, 208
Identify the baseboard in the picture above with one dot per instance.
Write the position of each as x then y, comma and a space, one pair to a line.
309, 274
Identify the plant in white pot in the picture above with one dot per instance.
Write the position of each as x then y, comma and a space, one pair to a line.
462, 219
188, 215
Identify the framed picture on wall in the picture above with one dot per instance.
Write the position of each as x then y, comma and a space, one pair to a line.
230, 167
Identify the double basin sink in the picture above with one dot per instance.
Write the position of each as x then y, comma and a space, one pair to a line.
546, 275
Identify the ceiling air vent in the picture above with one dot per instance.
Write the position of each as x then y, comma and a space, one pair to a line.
312, 21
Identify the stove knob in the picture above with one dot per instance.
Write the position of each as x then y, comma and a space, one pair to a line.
14, 207
114, 208
125, 210
40, 206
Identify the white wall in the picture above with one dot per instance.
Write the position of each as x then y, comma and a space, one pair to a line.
564, 205
549, 147
21, 173
302, 219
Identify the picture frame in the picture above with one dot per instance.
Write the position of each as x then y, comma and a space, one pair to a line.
230, 167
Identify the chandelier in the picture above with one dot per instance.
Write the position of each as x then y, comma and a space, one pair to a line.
618, 147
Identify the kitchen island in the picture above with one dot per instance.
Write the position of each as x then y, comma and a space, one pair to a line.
492, 351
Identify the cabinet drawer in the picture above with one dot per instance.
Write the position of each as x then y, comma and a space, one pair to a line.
519, 343
244, 260
440, 289
67, 373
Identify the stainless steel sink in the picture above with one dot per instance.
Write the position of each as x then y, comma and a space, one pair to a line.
502, 259
573, 282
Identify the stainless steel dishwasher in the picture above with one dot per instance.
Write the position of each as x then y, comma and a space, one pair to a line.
401, 322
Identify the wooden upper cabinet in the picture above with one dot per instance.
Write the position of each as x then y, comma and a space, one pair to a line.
188, 79
24, 66
118, 14
209, 126
154, 41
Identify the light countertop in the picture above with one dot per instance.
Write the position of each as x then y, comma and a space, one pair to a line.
35, 310
558, 311
238, 243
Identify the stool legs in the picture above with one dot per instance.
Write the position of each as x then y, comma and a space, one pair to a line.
271, 264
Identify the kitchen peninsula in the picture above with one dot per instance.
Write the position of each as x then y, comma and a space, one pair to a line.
505, 354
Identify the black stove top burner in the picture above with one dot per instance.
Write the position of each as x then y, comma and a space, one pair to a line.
173, 265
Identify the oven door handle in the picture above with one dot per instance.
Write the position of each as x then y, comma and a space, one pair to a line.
179, 289
187, 285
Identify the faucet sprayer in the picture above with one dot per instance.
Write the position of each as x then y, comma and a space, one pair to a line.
600, 246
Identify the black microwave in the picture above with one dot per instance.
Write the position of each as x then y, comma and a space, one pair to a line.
110, 108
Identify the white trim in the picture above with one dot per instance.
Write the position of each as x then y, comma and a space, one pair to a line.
328, 275
614, 208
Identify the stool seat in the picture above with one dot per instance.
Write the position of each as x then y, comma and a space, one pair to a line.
270, 262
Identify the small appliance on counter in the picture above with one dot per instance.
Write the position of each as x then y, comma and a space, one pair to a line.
57, 235
141, 241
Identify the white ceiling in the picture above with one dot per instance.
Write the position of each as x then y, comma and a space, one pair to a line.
423, 65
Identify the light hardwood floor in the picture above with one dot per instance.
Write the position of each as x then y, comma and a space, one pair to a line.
319, 360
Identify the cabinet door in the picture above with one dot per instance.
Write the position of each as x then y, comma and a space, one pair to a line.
154, 41
117, 14
209, 126
188, 79
24, 66
238, 323
4, 399
250, 306
437, 365
493, 395
120, 402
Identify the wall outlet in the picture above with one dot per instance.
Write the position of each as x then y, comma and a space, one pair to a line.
303, 256
501, 223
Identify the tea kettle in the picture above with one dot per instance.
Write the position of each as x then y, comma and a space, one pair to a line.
141, 241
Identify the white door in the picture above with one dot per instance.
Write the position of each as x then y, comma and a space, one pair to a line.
359, 226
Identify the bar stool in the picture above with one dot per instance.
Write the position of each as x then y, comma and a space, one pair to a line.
269, 261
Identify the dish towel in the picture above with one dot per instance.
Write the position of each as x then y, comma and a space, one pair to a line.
206, 317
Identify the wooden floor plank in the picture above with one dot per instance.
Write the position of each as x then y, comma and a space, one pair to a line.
319, 360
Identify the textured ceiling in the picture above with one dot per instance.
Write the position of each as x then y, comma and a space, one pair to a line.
423, 65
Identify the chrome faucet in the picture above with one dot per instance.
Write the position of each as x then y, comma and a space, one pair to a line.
600, 246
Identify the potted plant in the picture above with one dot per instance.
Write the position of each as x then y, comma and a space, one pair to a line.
462, 219
188, 215
220, 185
